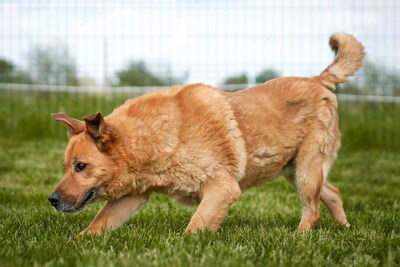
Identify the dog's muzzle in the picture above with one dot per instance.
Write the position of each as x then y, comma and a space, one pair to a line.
58, 204
54, 199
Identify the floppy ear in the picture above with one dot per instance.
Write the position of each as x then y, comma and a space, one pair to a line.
74, 126
98, 130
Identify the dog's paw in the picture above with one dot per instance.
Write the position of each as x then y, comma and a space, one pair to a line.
193, 231
91, 231
346, 224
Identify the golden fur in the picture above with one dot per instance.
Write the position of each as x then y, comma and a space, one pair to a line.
198, 144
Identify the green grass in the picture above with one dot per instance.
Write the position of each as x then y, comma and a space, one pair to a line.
258, 231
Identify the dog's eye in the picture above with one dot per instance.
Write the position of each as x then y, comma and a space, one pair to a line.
80, 166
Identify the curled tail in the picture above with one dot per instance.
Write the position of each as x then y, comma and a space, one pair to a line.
349, 56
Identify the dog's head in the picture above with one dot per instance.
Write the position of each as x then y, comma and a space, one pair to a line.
90, 163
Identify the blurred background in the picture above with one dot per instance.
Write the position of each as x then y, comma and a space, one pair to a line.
86, 56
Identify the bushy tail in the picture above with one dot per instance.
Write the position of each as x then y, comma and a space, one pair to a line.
349, 56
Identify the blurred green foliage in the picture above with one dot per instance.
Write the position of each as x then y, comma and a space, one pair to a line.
261, 77
6, 71
10, 74
236, 79
139, 74
52, 65
373, 79
266, 75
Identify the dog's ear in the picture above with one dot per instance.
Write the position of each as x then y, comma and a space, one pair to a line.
97, 129
74, 126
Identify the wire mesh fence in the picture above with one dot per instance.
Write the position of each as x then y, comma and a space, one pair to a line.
85, 56
215, 42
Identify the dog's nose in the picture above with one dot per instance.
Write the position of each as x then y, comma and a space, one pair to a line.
53, 198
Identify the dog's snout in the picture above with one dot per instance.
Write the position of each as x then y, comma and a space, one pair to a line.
54, 198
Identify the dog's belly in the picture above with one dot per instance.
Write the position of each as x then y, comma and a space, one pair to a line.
267, 156
264, 165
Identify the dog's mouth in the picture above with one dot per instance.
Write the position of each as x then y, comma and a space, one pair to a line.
89, 196
87, 199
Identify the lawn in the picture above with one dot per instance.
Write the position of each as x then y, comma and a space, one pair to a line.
259, 229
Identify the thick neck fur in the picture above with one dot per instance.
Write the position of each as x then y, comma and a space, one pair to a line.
148, 141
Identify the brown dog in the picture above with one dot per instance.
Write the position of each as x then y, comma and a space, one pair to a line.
198, 144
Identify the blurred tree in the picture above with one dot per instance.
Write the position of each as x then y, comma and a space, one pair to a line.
52, 65
374, 79
138, 74
87, 81
21, 76
10, 74
238, 79
266, 75
6, 71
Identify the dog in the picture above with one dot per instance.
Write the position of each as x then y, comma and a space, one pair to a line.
201, 145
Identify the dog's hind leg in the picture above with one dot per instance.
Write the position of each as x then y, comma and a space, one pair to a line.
330, 195
114, 213
218, 195
309, 180
311, 167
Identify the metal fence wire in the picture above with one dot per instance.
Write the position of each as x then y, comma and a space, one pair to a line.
158, 43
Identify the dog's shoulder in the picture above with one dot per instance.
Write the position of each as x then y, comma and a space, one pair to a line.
197, 91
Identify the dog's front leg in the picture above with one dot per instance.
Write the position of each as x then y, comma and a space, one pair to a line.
218, 196
114, 213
